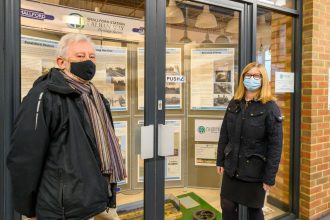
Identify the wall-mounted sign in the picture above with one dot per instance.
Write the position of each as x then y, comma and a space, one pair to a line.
284, 82
207, 130
174, 79
66, 20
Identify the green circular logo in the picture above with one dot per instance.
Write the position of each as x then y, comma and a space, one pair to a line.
76, 21
201, 129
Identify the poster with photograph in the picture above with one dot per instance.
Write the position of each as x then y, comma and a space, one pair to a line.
121, 134
140, 78
140, 161
111, 76
38, 56
212, 78
173, 89
207, 130
172, 163
206, 154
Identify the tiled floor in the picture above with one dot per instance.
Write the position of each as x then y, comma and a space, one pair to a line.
212, 196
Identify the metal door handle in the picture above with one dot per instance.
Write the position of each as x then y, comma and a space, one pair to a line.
147, 142
165, 140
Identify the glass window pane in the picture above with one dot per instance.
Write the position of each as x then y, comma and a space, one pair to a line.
274, 50
202, 44
281, 3
117, 29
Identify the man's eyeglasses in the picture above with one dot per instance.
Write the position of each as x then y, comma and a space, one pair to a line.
255, 76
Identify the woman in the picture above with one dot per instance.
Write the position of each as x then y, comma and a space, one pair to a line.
250, 145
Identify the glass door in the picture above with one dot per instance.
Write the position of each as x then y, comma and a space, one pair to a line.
203, 58
117, 28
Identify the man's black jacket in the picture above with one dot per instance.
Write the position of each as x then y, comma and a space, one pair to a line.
250, 142
53, 162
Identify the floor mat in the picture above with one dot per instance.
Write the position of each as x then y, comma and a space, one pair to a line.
188, 213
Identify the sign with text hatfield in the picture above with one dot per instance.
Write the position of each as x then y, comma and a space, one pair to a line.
284, 82
207, 130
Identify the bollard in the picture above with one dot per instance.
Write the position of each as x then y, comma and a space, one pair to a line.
242, 212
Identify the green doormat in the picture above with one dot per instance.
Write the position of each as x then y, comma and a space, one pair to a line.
188, 213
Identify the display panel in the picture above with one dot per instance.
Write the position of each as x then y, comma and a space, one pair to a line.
174, 79
212, 78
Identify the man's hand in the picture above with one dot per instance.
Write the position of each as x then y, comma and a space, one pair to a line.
33, 218
266, 187
220, 170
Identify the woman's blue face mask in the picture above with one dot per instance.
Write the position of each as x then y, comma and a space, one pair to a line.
252, 82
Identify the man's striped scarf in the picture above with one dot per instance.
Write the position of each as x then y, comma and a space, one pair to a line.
112, 164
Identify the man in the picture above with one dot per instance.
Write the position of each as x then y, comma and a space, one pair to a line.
65, 160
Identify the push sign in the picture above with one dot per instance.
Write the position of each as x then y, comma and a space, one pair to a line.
175, 79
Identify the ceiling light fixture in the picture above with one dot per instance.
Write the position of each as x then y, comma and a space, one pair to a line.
174, 14
207, 39
222, 38
206, 19
232, 26
185, 39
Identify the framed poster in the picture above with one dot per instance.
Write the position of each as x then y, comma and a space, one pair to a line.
212, 78
174, 79
111, 76
206, 154
121, 134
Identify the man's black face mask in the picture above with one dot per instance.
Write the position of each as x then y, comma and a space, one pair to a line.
84, 69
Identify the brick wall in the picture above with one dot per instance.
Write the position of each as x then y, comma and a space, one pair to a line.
315, 126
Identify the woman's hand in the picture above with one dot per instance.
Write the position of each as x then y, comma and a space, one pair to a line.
266, 187
33, 218
220, 170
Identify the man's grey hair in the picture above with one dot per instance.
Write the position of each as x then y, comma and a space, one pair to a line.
70, 38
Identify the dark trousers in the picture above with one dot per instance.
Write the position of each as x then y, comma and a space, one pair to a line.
230, 211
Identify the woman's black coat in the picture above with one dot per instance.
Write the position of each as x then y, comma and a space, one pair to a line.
250, 142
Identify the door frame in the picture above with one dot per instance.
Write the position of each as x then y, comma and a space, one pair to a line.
10, 63
155, 37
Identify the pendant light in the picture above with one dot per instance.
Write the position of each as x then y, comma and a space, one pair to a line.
206, 19
264, 32
232, 26
185, 39
174, 14
207, 39
222, 38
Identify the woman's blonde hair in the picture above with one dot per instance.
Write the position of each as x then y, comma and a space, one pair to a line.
264, 94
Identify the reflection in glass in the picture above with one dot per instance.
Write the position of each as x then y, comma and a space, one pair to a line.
274, 50
118, 52
281, 3
209, 66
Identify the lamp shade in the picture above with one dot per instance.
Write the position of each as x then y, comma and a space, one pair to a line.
263, 30
232, 26
174, 14
222, 38
185, 39
206, 19
264, 33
